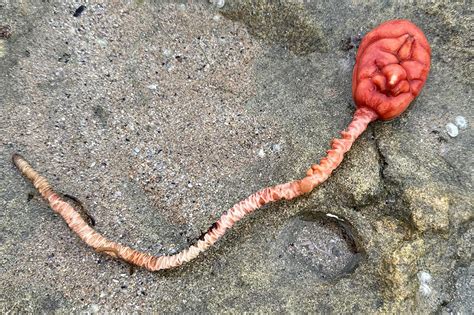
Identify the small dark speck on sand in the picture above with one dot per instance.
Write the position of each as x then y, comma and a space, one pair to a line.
79, 11
5, 31
351, 42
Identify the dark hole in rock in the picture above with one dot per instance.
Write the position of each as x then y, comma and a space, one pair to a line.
324, 245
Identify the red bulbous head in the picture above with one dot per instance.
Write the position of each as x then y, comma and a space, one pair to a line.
391, 67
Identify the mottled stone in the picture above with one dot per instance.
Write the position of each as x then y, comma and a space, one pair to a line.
399, 270
429, 208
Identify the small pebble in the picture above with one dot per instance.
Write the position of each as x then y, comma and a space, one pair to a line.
2, 49
79, 11
217, 3
424, 277
276, 147
461, 122
425, 289
169, 67
5, 31
102, 42
59, 73
452, 130
172, 251
167, 52
333, 216
94, 308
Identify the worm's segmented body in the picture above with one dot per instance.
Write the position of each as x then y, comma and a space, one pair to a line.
316, 175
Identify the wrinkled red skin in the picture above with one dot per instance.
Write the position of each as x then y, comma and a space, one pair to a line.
391, 67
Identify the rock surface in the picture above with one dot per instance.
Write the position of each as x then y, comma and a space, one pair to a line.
159, 117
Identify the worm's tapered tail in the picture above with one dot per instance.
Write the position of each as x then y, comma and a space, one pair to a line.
316, 175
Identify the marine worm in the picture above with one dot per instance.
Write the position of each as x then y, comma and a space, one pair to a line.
391, 67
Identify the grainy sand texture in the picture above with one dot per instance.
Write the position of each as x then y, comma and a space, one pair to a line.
158, 116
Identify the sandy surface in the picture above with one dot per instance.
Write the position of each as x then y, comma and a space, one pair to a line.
159, 117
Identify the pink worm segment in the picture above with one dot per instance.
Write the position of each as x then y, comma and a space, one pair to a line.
315, 176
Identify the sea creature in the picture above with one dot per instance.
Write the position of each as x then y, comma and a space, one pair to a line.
392, 65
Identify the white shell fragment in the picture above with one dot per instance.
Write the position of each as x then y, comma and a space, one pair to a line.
424, 278
452, 130
461, 122
217, 3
